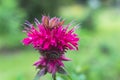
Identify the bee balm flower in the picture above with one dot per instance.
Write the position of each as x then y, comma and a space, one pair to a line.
52, 39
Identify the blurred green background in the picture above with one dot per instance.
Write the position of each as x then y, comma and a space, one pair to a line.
98, 57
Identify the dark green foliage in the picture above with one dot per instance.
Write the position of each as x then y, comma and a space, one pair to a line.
11, 16
37, 8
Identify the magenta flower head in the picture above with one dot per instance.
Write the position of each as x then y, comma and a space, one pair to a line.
52, 39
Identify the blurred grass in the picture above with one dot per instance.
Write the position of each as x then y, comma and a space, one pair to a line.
17, 66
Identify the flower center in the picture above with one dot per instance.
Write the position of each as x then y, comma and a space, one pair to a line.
52, 55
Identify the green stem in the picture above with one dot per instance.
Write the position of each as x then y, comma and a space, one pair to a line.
54, 78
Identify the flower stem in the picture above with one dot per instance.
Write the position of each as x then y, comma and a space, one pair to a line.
54, 78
